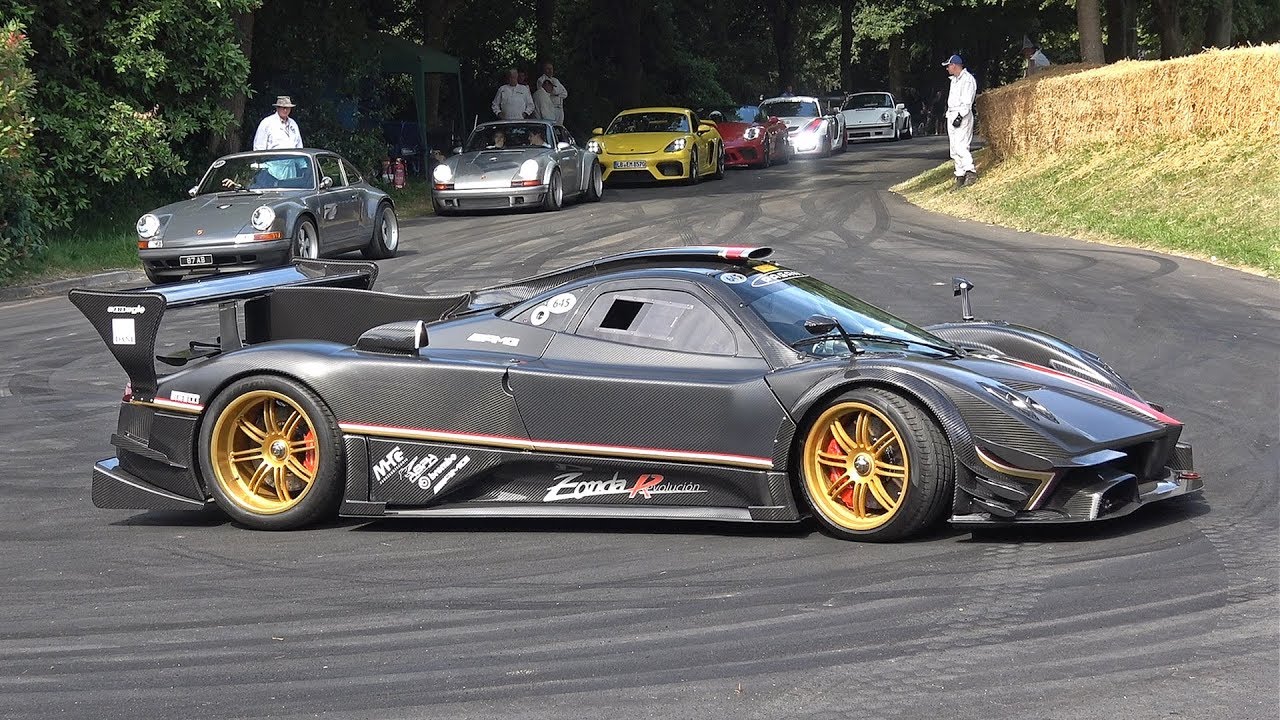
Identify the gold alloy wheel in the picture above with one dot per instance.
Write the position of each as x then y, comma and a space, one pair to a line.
264, 452
855, 466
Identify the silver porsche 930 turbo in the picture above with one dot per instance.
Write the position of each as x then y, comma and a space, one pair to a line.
262, 209
515, 164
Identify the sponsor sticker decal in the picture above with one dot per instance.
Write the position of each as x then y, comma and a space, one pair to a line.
126, 309
123, 332
569, 486
562, 303
389, 463
494, 339
775, 277
184, 397
733, 278
540, 315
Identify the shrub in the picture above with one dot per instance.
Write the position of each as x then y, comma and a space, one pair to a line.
20, 229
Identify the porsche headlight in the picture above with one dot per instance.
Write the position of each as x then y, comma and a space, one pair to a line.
675, 145
262, 217
752, 133
442, 174
148, 226
594, 146
528, 170
884, 116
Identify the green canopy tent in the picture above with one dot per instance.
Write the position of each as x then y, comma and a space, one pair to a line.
400, 56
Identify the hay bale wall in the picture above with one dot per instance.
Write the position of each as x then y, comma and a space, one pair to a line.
1214, 93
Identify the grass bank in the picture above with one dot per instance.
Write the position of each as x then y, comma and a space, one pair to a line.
106, 240
1215, 198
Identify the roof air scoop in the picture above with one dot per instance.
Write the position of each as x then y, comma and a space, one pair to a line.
746, 253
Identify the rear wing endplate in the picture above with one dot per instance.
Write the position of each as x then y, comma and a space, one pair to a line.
129, 320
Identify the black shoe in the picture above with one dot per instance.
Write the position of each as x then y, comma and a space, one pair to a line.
969, 178
959, 181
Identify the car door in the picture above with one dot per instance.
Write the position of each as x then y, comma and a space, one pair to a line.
651, 369
569, 160
364, 220
338, 206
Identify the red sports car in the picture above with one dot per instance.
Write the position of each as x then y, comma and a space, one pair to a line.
751, 138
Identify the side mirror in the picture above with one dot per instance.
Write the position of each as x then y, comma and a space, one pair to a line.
192, 191
597, 131
900, 106
457, 150
326, 182
820, 325
563, 146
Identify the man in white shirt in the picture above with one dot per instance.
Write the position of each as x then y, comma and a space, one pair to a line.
1036, 60
557, 91
964, 88
278, 130
543, 103
513, 101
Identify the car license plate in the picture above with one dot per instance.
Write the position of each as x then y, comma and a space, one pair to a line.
191, 260
628, 164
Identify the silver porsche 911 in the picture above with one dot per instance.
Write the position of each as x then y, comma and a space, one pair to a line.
513, 164
261, 209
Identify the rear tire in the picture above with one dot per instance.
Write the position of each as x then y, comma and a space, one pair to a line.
271, 454
875, 467
386, 235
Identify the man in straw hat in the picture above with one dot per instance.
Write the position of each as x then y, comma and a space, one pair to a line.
964, 88
278, 130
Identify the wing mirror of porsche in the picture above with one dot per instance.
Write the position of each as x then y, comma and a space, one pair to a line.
326, 182
820, 325
597, 131
192, 192
563, 146
900, 106
960, 288
706, 126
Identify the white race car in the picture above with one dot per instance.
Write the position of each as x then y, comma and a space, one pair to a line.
812, 130
875, 116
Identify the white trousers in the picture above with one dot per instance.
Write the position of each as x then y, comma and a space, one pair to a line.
960, 138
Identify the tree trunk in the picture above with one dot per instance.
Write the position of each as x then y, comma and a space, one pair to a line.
435, 25
546, 15
1089, 23
782, 16
1116, 31
229, 141
895, 66
1166, 12
846, 45
1217, 30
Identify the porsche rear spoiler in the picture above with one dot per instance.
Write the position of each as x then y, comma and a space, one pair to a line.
129, 320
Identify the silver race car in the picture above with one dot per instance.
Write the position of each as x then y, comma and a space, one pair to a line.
261, 209
875, 115
513, 164
813, 130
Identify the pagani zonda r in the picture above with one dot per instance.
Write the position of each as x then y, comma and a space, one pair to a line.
681, 383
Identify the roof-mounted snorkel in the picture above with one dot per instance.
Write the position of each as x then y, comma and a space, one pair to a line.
960, 288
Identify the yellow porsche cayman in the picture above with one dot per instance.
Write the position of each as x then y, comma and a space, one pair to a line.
658, 143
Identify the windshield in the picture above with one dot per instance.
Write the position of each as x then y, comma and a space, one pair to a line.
865, 101
508, 136
784, 299
258, 172
654, 122
792, 108
742, 114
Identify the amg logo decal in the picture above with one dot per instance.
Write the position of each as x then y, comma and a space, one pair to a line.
495, 339
388, 464
569, 487
126, 309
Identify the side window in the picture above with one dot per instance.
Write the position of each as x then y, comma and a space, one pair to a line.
330, 168
562, 135
663, 319
353, 175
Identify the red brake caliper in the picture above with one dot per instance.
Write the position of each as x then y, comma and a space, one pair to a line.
312, 455
846, 495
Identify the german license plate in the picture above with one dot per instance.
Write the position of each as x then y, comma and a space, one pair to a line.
628, 164
193, 260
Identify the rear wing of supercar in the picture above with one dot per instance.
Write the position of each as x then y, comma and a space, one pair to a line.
129, 320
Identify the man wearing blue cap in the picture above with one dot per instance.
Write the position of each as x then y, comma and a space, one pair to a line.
960, 119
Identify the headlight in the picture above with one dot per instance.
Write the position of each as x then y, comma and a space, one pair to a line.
442, 174
529, 170
884, 116
675, 145
752, 133
148, 226
262, 217
594, 146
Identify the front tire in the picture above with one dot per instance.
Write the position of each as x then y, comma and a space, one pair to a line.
875, 467
271, 455
306, 241
554, 199
695, 171
595, 186
386, 235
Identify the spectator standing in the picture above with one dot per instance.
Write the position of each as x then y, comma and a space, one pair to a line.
543, 102
512, 102
557, 92
964, 88
1036, 60
786, 92
278, 130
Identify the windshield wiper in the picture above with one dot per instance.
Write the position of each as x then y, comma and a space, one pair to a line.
870, 337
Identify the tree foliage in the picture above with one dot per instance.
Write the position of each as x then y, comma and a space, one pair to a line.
20, 233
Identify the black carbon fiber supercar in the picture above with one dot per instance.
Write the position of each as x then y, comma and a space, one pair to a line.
680, 383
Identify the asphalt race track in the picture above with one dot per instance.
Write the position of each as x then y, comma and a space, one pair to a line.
1169, 613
